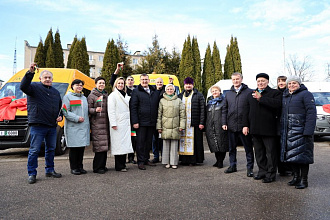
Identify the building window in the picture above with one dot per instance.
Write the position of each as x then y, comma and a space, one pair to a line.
90, 56
101, 58
135, 61
100, 70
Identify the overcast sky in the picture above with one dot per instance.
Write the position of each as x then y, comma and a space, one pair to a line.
259, 25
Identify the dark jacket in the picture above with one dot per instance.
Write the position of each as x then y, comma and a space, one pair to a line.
99, 122
232, 112
161, 91
216, 137
43, 102
144, 106
112, 82
197, 108
297, 126
261, 116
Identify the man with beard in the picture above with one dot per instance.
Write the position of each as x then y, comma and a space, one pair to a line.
191, 149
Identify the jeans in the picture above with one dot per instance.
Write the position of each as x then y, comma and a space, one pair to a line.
38, 135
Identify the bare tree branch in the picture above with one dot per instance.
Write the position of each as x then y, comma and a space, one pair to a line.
301, 68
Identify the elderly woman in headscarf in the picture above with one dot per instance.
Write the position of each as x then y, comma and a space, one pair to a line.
298, 121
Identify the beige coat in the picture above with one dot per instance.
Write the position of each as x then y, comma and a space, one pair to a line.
171, 117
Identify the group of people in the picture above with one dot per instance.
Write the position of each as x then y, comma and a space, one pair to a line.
274, 125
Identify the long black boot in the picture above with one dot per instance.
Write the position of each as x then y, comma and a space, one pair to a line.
222, 156
217, 158
304, 177
296, 175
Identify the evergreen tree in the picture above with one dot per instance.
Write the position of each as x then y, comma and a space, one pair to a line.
197, 65
228, 66
85, 67
49, 41
78, 58
172, 62
58, 51
111, 58
186, 67
236, 56
233, 59
39, 58
71, 55
218, 75
154, 57
50, 59
208, 71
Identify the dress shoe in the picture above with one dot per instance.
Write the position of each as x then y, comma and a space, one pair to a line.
268, 180
231, 169
100, 171
54, 174
106, 169
249, 173
32, 179
141, 167
257, 177
174, 167
149, 164
155, 160
76, 171
82, 171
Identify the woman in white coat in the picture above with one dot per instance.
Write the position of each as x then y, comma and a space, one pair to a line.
120, 127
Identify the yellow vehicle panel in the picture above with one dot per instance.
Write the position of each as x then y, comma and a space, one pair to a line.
153, 78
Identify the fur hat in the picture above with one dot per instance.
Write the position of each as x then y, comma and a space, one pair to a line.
293, 78
188, 80
263, 75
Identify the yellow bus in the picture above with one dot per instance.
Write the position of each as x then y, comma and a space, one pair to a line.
165, 77
16, 133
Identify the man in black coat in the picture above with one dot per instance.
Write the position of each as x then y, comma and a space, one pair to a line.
143, 110
260, 120
232, 114
43, 106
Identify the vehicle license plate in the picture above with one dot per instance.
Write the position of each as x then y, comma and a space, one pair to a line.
9, 133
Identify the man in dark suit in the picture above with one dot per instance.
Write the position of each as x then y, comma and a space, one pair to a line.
260, 120
144, 109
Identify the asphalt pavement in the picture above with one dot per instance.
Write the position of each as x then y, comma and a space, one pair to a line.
198, 192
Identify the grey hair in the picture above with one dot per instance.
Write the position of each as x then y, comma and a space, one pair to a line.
237, 74
168, 85
45, 71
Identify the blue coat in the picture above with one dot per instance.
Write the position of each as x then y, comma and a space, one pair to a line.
43, 102
234, 107
76, 133
298, 121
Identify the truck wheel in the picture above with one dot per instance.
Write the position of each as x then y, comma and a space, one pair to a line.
60, 142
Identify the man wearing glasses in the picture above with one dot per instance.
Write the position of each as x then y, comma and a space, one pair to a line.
144, 109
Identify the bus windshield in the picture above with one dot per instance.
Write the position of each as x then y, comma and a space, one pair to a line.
12, 89
321, 98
